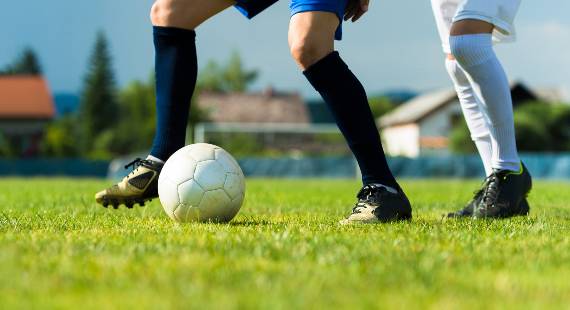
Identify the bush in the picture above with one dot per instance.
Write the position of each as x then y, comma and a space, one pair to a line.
61, 138
460, 139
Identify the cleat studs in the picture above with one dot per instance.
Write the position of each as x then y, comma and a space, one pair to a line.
116, 204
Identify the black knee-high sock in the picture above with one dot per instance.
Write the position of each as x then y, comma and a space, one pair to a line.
347, 100
176, 72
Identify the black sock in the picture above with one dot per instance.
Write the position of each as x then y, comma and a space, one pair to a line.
176, 72
348, 103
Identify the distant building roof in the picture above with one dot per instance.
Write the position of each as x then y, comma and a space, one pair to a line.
419, 107
263, 107
25, 97
424, 105
552, 94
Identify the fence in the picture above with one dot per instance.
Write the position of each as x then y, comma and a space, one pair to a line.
54, 167
546, 166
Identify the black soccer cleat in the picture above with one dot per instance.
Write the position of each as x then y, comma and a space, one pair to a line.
140, 186
376, 204
504, 194
469, 209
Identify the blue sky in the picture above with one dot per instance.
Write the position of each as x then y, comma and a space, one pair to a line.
394, 46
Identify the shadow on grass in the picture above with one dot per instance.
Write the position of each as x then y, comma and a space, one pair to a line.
251, 222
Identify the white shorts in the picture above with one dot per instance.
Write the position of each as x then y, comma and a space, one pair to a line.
500, 13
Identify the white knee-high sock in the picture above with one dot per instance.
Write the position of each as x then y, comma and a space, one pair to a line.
485, 148
470, 105
475, 55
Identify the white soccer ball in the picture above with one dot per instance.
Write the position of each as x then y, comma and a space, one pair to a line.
201, 183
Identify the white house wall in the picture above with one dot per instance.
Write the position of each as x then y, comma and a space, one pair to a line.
402, 140
439, 125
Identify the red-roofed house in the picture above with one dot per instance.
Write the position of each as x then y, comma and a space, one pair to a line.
26, 107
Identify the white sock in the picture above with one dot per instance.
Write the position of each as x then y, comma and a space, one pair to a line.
476, 56
474, 118
485, 148
156, 160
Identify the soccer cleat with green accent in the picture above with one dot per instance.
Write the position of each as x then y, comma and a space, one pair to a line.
140, 186
378, 205
504, 193
469, 209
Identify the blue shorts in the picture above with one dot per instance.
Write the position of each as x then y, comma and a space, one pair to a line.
250, 8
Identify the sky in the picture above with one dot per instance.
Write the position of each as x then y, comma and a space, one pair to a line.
394, 46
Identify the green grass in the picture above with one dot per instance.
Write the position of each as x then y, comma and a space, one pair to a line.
283, 251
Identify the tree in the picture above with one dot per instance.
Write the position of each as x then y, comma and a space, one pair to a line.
27, 63
380, 106
542, 127
137, 100
460, 139
7, 147
231, 77
61, 138
211, 78
238, 79
99, 108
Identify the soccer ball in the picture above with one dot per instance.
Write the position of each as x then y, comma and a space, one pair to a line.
201, 183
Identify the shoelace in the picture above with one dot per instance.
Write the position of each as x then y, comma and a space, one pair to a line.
135, 164
481, 190
365, 192
368, 193
491, 193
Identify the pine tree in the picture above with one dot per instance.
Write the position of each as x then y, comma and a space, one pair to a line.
236, 77
27, 63
99, 107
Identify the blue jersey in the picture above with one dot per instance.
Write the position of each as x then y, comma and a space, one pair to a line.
250, 8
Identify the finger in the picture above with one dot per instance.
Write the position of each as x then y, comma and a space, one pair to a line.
349, 12
348, 15
351, 9
357, 15
362, 9
364, 5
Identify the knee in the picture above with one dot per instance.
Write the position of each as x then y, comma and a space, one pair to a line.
306, 53
161, 13
471, 50
172, 13
459, 48
158, 13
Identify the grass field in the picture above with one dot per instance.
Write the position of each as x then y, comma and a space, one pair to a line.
284, 250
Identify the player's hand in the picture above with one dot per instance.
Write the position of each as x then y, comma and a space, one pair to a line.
355, 9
